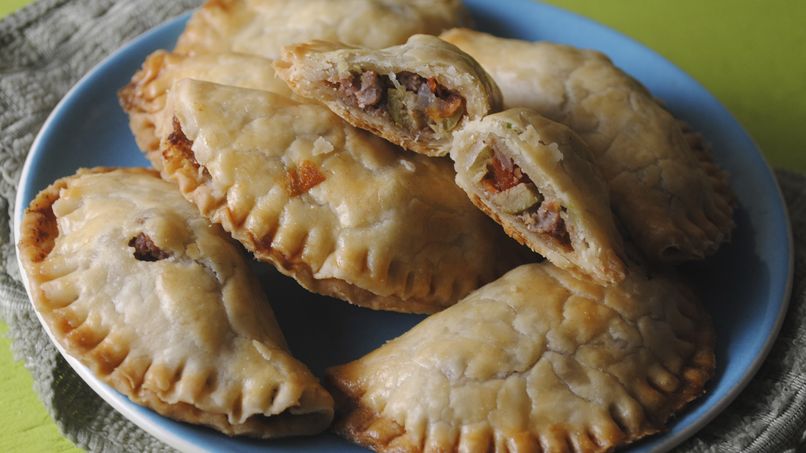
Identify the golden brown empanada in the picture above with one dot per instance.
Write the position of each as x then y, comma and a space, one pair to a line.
672, 207
536, 361
161, 305
342, 211
537, 179
414, 95
263, 27
144, 97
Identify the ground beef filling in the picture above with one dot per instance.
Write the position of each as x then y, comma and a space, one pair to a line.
414, 103
179, 140
548, 220
182, 149
145, 249
539, 215
503, 174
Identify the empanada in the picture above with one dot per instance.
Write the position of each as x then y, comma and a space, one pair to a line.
144, 97
537, 179
671, 206
535, 361
161, 305
342, 211
414, 95
263, 27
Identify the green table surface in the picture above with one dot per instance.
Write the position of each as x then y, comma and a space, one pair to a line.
749, 54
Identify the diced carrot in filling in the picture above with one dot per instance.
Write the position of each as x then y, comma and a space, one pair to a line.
444, 103
412, 101
304, 178
503, 174
539, 215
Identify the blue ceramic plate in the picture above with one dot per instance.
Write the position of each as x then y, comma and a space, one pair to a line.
745, 286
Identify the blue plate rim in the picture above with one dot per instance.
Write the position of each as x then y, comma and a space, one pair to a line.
110, 396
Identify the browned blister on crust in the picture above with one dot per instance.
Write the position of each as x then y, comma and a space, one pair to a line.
538, 360
160, 304
264, 27
414, 95
144, 98
343, 212
537, 179
672, 199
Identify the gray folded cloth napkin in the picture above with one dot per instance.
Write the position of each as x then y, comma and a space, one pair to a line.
46, 47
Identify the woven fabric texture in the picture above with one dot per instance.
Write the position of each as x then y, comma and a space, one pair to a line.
46, 47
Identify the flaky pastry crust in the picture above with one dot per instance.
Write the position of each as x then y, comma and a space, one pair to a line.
343, 212
315, 69
263, 27
557, 205
673, 207
161, 305
145, 96
536, 361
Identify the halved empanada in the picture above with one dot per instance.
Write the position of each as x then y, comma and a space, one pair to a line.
161, 305
537, 179
672, 207
414, 95
263, 27
535, 361
342, 211
144, 97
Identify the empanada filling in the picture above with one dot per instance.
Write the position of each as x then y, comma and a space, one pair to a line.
145, 249
414, 103
512, 191
300, 180
179, 142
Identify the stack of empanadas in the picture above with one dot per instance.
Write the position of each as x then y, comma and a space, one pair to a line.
370, 162
415, 95
671, 206
342, 211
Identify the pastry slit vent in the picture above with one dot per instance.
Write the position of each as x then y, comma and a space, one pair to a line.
145, 249
416, 104
509, 188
